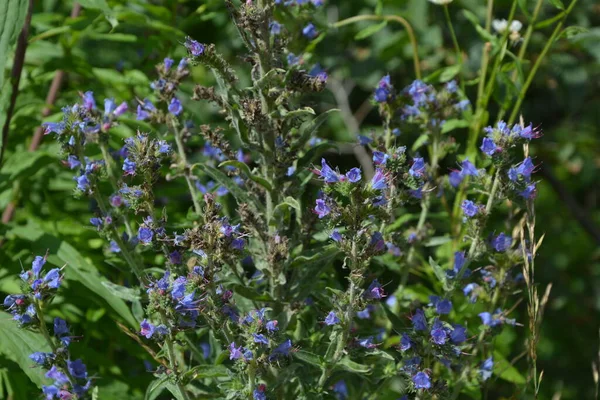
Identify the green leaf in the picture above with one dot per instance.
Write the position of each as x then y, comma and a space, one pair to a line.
309, 358
313, 153
301, 112
439, 273
208, 371
316, 256
246, 169
237, 192
572, 32
122, 292
310, 128
12, 17
449, 72
482, 32
557, 3
251, 294
437, 241
370, 30
351, 366
506, 371
171, 387
156, 387
421, 140
18, 344
453, 124
101, 5
24, 164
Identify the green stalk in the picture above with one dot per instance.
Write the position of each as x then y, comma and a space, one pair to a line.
171, 357
183, 157
538, 62
108, 161
459, 57
394, 18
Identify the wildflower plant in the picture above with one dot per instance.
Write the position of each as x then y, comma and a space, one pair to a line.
286, 293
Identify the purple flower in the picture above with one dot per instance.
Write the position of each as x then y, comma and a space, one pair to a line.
417, 170
443, 306
488, 146
53, 127
364, 140
88, 100
469, 208
37, 264
530, 133
327, 173
142, 114
529, 192
341, 390
418, 91
77, 369
235, 352
322, 209
271, 326
129, 167
378, 182
526, 168
455, 178
283, 349
60, 327
383, 92
83, 182
380, 158
364, 314
421, 381
438, 333
73, 162
146, 329
168, 62
332, 319
57, 376
513, 175
145, 235
259, 393
50, 391
451, 86
501, 242
468, 169
175, 257
374, 291
418, 320
195, 48
458, 334
179, 287
310, 31
405, 342
367, 343
121, 109
336, 236
353, 175
275, 28
260, 338
175, 107
53, 278
486, 368
41, 358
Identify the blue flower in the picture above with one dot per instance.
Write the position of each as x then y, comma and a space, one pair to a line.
195, 48
60, 327
513, 175
455, 178
354, 175
364, 314
380, 158
145, 235
53, 278
41, 358
310, 31
77, 369
260, 338
486, 368
378, 182
73, 162
146, 329
283, 349
60, 378
418, 320
418, 91
175, 107
443, 306
50, 391
37, 265
83, 182
341, 390
259, 393
179, 287
53, 127
421, 381
530, 133
469, 208
367, 343
405, 342
468, 169
383, 92
364, 140
417, 170
129, 167
322, 209
168, 63
458, 334
451, 86
529, 192
292, 59
290, 171
501, 242
336, 236
88, 100
272, 326
332, 319
438, 333
526, 168
275, 28
375, 290
488, 146
327, 173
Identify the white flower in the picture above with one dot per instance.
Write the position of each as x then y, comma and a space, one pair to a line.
441, 2
515, 26
500, 25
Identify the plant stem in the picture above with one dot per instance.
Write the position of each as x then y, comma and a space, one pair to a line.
395, 18
171, 356
43, 327
537, 64
182, 156
459, 57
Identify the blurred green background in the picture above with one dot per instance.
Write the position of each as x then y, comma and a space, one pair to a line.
111, 48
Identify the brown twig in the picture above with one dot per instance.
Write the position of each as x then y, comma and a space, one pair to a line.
15, 76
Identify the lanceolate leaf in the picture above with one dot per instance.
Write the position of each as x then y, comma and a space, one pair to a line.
309, 129
12, 17
18, 344
246, 169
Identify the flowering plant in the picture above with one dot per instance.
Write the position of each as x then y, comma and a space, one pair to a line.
290, 277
